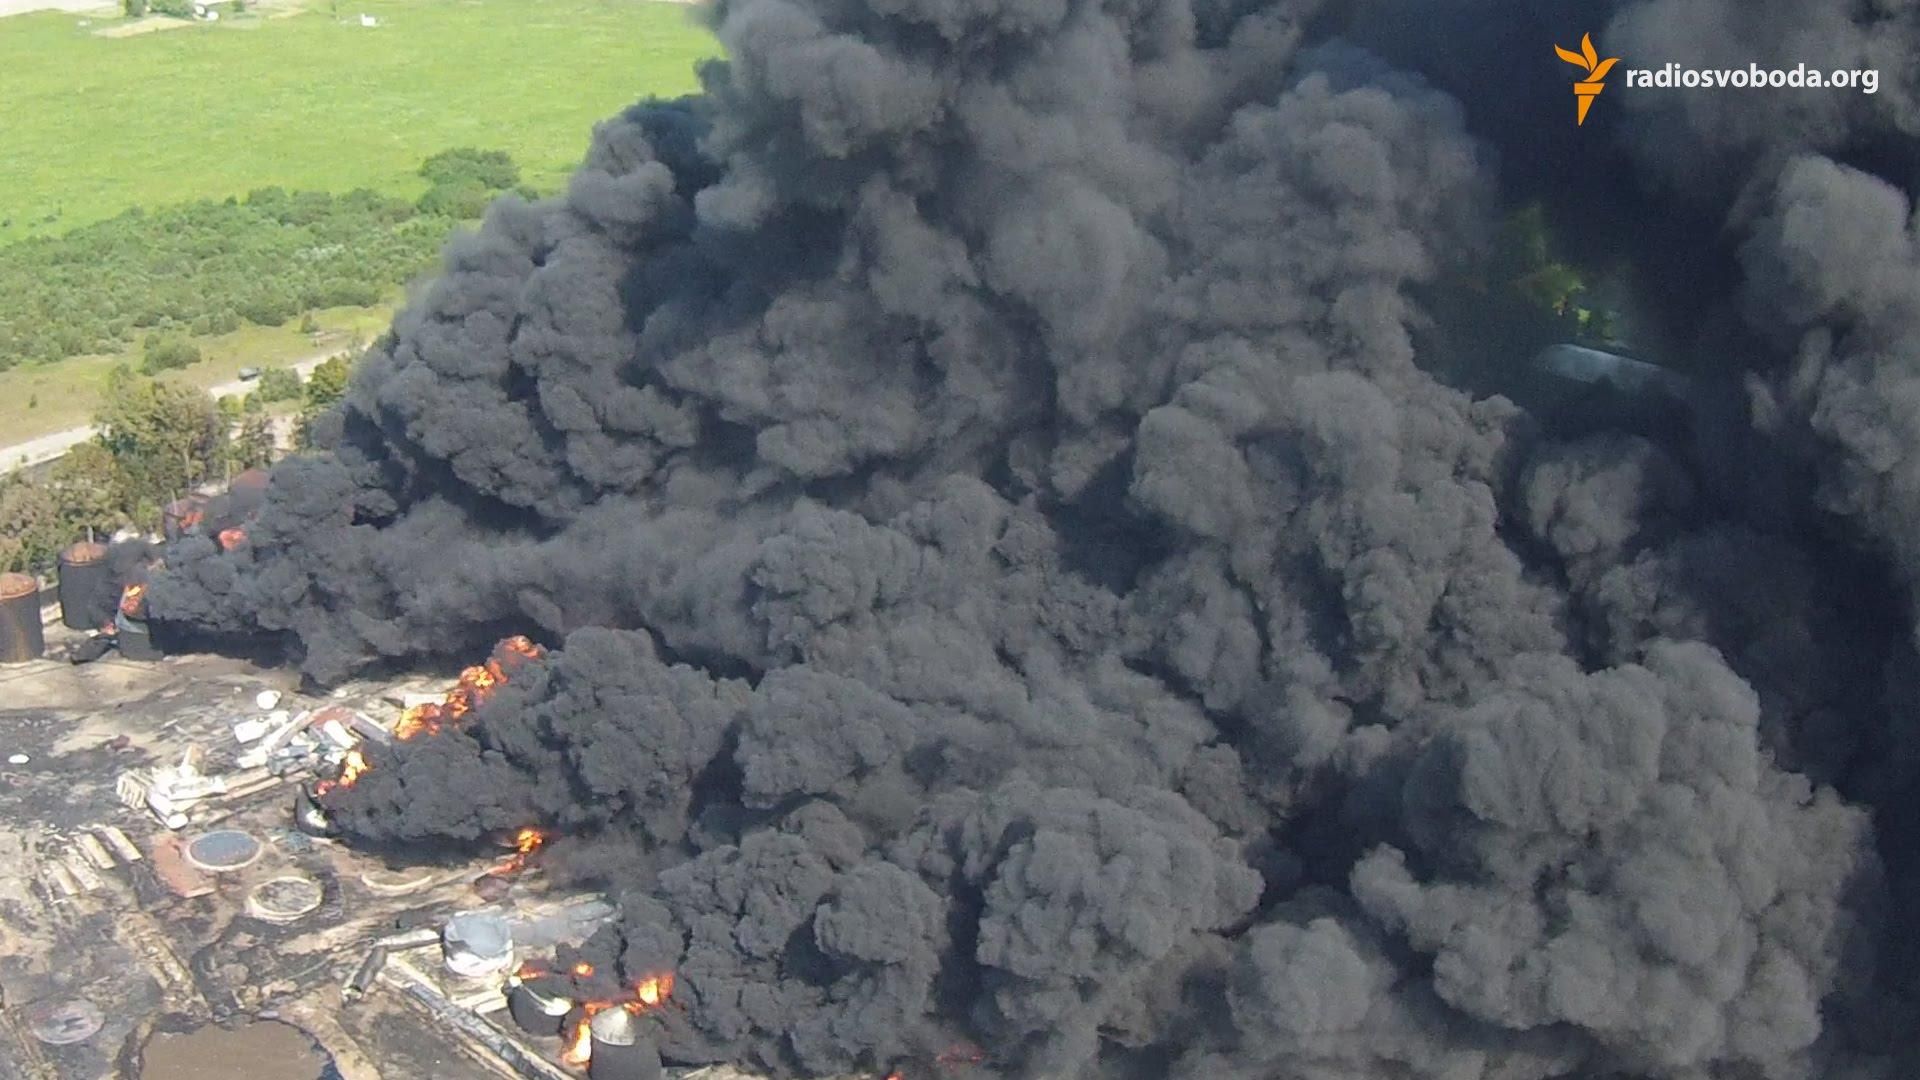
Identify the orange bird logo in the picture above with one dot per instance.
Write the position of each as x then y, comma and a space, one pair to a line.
1588, 88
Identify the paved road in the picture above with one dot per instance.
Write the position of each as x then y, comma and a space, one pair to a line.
26, 455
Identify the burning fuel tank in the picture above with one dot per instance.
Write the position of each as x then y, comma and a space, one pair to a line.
86, 586
134, 638
537, 1009
21, 637
620, 1051
183, 516
308, 816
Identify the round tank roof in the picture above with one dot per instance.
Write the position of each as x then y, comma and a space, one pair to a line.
223, 850
84, 552
13, 586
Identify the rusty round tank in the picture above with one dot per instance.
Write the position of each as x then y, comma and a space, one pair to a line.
251, 481
21, 638
86, 585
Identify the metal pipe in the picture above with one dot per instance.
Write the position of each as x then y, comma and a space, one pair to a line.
415, 985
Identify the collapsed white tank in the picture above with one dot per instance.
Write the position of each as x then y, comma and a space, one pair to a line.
477, 945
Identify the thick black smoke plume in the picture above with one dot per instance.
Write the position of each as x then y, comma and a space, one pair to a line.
1034, 563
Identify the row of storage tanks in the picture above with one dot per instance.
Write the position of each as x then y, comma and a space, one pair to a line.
86, 592
89, 592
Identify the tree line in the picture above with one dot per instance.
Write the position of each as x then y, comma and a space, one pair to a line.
159, 440
157, 277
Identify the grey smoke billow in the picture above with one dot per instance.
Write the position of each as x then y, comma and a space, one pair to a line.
1017, 591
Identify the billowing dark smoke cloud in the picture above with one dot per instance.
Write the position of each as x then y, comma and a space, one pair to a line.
1017, 585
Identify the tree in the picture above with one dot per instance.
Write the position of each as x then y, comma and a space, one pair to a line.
465, 180
32, 531
493, 170
89, 489
254, 446
134, 8
165, 352
278, 384
328, 383
165, 437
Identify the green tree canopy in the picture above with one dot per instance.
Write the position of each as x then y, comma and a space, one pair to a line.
328, 383
166, 437
278, 384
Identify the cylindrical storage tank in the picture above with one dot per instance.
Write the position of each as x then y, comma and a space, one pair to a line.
244, 496
183, 516
133, 638
477, 945
620, 1051
86, 583
251, 482
538, 1011
309, 816
21, 638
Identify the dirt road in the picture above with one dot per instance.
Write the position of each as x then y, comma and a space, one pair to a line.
32, 452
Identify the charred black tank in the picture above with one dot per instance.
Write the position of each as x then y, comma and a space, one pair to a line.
86, 586
21, 638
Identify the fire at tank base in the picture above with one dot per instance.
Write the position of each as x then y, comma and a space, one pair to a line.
104, 909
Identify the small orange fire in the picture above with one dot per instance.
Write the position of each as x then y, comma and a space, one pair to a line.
232, 538
133, 601
579, 1047
476, 684
583, 969
192, 517
649, 994
525, 843
352, 769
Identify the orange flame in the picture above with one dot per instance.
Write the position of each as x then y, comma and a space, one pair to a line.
579, 1047
475, 686
352, 768
133, 601
583, 969
232, 538
525, 843
649, 994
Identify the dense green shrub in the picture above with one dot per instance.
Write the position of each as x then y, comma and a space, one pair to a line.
278, 384
208, 267
492, 170
465, 180
165, 352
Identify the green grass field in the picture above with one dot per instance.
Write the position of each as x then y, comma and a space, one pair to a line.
97, 124
40, 399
